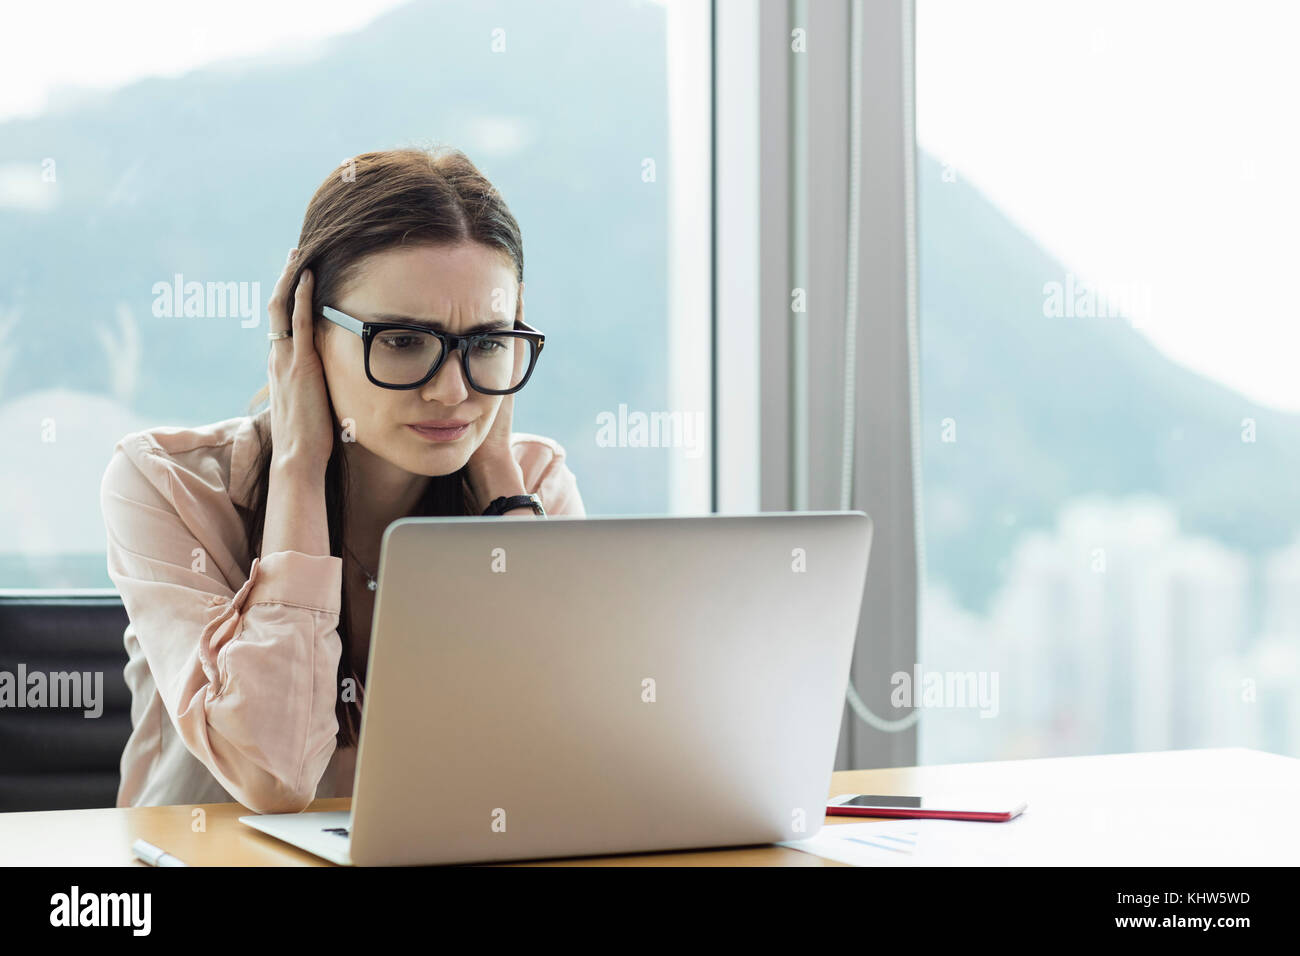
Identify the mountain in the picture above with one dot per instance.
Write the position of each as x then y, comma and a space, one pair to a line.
1047, 409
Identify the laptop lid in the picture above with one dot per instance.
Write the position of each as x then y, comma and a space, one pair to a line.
577, 686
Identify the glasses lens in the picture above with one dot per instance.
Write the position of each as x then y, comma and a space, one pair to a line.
403, 356
499, 362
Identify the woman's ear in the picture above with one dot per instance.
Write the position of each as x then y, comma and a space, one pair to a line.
519, 306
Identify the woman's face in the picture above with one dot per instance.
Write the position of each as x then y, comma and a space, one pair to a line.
452, 287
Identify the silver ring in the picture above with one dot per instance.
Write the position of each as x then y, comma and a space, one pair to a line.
288, 334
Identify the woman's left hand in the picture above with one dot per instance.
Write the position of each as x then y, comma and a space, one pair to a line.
495, 449
492, 470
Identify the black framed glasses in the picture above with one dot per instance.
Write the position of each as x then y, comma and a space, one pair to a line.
400, 355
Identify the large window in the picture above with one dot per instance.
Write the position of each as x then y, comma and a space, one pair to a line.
180, 144
1110, 404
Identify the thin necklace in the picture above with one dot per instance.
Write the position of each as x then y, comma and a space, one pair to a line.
371, 583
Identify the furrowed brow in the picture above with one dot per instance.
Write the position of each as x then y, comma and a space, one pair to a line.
499, 325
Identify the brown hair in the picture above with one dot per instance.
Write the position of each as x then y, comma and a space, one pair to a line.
371, 203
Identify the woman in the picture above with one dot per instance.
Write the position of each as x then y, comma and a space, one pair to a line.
246, 550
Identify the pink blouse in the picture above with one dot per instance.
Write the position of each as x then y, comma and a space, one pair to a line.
232, 667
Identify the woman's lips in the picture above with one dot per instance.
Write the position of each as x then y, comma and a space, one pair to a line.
439, 434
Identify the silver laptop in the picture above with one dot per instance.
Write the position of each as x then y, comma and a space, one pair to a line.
575, 686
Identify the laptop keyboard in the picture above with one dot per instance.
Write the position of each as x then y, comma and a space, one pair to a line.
340, 831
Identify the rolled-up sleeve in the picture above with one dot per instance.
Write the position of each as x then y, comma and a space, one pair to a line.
248, 677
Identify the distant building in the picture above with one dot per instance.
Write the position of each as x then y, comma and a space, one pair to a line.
1117, 632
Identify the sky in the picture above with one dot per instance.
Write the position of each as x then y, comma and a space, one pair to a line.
152, 38
1149, 146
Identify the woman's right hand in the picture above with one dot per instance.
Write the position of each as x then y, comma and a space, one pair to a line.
302, 423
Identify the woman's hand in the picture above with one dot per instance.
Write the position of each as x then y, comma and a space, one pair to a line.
495, 449
302, 423
492, 470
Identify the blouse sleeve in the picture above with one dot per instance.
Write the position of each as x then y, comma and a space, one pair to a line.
556, 485
248, 677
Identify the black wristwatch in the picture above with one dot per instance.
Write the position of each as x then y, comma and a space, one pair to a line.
504, 504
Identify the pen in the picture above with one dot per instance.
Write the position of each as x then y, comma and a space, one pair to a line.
153, 855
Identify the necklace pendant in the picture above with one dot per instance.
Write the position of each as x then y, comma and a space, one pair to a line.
371, 583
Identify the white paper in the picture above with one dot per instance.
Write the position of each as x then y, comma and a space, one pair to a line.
1165, 827
918, 843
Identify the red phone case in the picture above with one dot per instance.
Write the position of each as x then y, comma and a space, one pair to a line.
837, 811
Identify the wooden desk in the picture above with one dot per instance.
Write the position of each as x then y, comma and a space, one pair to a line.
1181, 791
